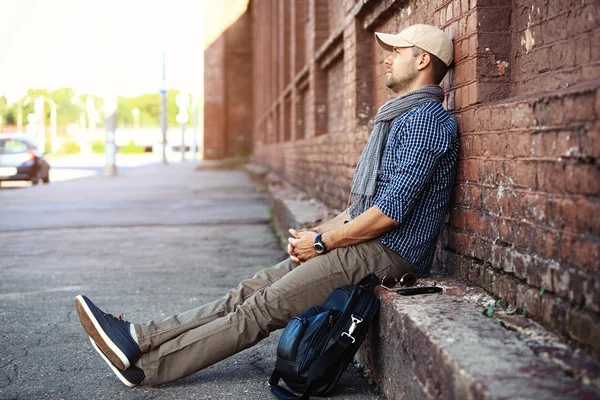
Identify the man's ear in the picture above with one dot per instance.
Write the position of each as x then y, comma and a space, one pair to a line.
424, 59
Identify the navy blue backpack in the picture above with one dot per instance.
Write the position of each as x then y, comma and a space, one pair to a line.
317, 346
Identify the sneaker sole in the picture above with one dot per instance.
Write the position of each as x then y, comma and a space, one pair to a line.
114, 369
96, 333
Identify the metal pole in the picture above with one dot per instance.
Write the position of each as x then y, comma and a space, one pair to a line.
195, 124
182, 142
82, 127
163, 113
42, 124
110, 106
53, 130
20, 118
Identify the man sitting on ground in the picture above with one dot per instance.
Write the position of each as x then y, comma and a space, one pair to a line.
398, 199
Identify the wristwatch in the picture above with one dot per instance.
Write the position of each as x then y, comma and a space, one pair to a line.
320, 247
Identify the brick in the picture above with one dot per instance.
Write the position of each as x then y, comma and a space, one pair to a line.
506, 230
579, 108
586, 212
506, 289
473, 89
568, 214
554, 313
568, 283
472, 22
565, 250
459, 241
585, 328
595, 50
464, 6
468, 170
472, 45
583, 55
501, 120
551, 177
586, 253
583, 179
449, 12
521, 173
521, 116
548, 113
533, 208
528, 300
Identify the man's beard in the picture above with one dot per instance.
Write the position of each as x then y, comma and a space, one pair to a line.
402, 84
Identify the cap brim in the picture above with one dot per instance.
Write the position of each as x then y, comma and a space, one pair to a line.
388, 42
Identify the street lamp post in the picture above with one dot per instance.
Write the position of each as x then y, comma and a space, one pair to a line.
183, 102
136, 118
110, 148
82, 122
40, 112
195, 124
163, 109
53, 132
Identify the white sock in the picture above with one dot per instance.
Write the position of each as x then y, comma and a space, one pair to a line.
133, 334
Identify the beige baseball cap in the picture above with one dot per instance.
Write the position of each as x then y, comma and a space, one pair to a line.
427, 37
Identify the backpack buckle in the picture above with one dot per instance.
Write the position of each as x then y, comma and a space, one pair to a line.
355, 321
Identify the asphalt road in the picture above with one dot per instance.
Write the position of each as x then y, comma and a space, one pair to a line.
151, 242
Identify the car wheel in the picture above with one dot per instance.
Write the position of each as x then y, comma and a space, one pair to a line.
37, 180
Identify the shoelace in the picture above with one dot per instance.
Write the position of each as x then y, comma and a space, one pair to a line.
119, 317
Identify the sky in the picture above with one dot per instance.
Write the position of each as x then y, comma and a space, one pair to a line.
100, 46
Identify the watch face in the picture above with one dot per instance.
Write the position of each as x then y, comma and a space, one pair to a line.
319, 248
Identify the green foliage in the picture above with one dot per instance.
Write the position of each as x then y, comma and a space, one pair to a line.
69, 147
69, 107
132, 148
98, 147
542, 291
488, 312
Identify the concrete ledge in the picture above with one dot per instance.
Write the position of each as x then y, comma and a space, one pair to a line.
294, 209
224, 164
441, 346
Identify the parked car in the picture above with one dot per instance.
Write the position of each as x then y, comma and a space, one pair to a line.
21, 160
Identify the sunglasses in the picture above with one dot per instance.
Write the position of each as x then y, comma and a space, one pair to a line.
407, 280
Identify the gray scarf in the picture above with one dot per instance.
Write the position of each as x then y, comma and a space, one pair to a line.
362, 189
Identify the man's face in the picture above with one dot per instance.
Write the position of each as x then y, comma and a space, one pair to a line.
401, 69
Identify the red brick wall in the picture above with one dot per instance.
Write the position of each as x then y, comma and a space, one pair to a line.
524, 218
214, 100
555, 44
228, 93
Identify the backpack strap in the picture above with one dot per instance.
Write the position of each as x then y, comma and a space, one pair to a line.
317, 371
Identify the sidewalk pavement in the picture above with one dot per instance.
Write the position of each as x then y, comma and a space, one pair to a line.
151, 242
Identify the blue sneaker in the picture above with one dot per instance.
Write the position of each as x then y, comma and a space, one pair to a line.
111, 334
131, 377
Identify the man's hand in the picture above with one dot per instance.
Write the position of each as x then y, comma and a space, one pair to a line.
301, 245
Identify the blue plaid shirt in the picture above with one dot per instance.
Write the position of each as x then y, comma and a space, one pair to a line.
415, 179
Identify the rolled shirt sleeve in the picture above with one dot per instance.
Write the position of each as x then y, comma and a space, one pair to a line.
423, 143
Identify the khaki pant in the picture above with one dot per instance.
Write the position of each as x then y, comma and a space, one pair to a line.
185, 343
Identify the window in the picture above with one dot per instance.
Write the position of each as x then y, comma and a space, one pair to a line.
12, 146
